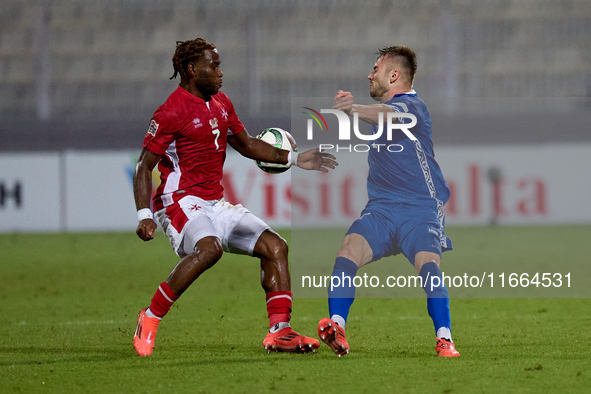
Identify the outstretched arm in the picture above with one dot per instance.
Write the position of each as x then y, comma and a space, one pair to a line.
257, 149
368, 113
314, 159
142, 191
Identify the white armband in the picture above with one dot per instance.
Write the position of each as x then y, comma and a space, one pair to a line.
144, 213
292, 158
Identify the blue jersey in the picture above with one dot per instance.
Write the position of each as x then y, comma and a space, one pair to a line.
411, 176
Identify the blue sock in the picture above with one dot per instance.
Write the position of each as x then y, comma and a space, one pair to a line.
340, 298
437, 297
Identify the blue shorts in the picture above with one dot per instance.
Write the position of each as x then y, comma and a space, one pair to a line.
391, 229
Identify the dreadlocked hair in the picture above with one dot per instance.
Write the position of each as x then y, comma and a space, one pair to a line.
187, 52
406, 56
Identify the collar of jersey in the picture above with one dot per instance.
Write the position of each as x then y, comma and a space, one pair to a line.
412, 93
192, 96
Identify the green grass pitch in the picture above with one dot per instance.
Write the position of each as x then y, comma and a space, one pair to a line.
68, 306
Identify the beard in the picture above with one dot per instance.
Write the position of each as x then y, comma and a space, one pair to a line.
376, 91
378, 87
206, 86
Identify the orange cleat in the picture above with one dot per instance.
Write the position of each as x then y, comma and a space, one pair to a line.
334, 336
446, 348
287, 340
145, 334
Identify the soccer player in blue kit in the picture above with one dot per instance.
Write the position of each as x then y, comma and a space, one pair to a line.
406, 191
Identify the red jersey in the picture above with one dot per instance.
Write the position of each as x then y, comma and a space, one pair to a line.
191, 136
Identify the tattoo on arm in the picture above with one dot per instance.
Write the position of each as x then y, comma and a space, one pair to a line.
277, 155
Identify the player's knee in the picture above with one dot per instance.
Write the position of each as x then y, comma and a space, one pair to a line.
271, 246
346, 252
278, 248
423, 258
356, 248
353, 255
215, 252
209, 251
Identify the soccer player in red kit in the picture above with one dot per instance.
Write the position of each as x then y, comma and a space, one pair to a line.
187, 139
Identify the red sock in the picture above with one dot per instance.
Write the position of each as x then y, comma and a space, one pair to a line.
279, 307
162, 300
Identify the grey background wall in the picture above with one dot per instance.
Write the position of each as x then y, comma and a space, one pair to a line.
88, 75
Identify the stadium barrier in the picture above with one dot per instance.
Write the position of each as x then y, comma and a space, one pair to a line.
92, 191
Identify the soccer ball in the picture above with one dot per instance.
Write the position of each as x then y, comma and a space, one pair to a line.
281, 139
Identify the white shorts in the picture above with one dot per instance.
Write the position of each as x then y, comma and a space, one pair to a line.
192, 218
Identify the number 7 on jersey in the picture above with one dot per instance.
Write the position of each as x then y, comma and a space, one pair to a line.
217, 135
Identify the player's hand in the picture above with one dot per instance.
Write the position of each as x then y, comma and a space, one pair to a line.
313, 159
343, 101
145, 229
